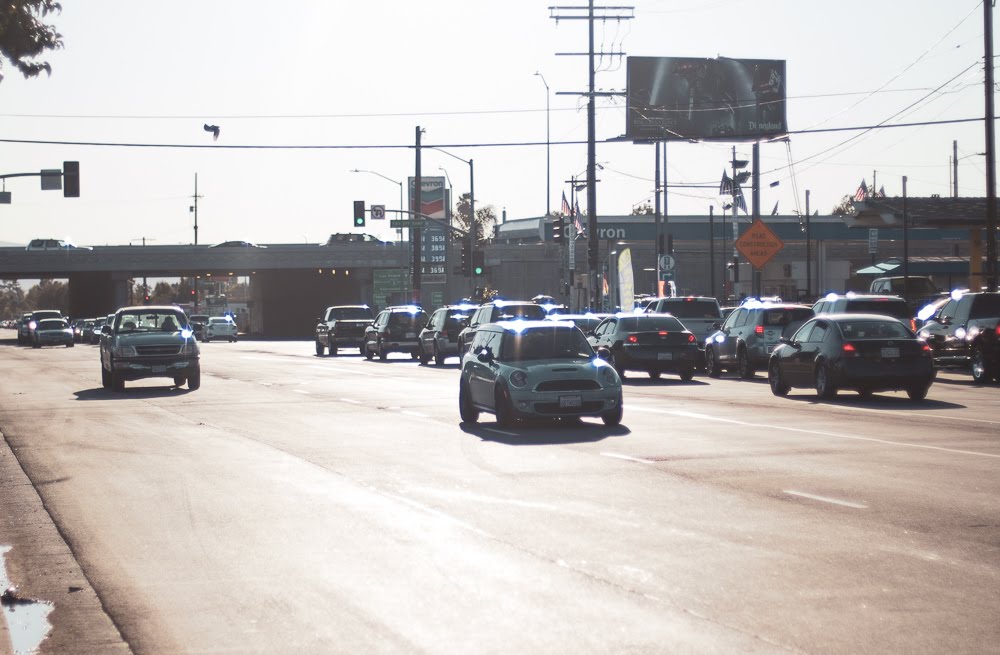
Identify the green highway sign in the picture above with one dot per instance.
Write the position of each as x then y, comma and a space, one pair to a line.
406, 222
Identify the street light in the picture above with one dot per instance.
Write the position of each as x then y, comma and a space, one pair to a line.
451, 194
472, 195
548, 147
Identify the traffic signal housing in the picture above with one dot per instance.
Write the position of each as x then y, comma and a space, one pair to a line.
478, 263
71, 179
466, 261
359, 213
559, 229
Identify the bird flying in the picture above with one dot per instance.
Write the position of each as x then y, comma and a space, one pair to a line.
214, 129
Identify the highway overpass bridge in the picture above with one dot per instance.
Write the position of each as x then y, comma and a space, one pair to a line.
289, 283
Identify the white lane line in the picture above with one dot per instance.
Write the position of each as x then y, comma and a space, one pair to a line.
937, 416
626, 457
302, 391
351, 401
465, 495
506, 434
824, 499
785, 428
441, 515
407, 412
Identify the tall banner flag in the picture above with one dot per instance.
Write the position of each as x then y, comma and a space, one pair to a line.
565, 206
862, 191
626, 284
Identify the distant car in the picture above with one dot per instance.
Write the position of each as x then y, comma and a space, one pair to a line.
95, 332
237, 244
197, 323
860, 303
220, 327
699, 314
23, 331
395, 330
586, 322
53, 244
499, 310
965, 333
545, 369
35, 318
149, 341
53, 332
864, 352
87, 330
342, 326
749, 335
439, 338
653, 343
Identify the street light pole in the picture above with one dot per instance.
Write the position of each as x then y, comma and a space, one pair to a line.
548, 149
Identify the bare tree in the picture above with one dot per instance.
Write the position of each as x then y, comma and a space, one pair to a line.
486, 218
24, 36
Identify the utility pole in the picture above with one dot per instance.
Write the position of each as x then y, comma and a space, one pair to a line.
954, 164
658, 235
194, 209
415, 231
991, 162
808, 253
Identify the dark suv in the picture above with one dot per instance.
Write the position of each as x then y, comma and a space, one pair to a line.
749, 335
395, 329
342, 325
859, 303
36, 317
965, 331
499, 310
439, 338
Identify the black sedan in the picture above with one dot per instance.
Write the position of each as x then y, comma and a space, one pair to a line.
864, 352
654, 343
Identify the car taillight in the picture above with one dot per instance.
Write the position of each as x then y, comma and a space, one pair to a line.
690, 338
759, 329
913, 324
998, 329
926, 348
663, 333
633, 339
849, 350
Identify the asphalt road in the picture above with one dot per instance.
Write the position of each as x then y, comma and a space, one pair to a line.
310, 504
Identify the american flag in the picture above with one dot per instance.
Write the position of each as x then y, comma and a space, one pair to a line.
576, 220
740, 202
565, 206
881, 192
862, 192
726, 185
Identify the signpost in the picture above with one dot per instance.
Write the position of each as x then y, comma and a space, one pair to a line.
759, 244
872, 240
378, 212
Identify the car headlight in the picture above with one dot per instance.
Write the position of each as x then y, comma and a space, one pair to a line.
960, 333
518, 378
125, 351
609, 376
190, 347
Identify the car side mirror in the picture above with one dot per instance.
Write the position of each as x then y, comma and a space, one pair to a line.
716, 326
603, 353
105, 329
485, 356
788, 342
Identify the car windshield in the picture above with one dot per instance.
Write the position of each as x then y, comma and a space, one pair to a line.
690, 308
986, 306
554, 342
351, 313
869, 329
457, 319
531, 312
782, 317
894, 308
52, 324
649, 324
150, 321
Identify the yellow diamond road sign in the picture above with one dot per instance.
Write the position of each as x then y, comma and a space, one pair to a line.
759, 244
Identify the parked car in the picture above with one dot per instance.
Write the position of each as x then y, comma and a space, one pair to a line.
499, 310
859, 303
654, 343
864, 352
52, 332
148, 341
965, 333
439, 338
342, 326
749, 335
395, 329
220, 327
521, 369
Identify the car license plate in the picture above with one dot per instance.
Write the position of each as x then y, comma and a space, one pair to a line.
159, 369
570, 401
888, 353
664, 355
411, 335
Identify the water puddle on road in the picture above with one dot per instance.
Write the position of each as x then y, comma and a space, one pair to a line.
27, 619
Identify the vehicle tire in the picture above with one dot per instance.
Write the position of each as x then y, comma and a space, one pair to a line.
918, 392
613, 417
504, 410
424, 357
778, 386
654, 375
466, 410
712, 363
117, 382
824, 388
614, 364
981, 372
194, 380
866, 394
687, 374
105, 378
35, 344
333, 351
743, 365
438, 357
207, 338
70, 344
179, 380
364, 351
380, 349
320, 349
414, 354
233, 340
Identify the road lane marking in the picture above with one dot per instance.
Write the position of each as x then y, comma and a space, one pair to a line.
908, 414
465, 495
351, 401
706, 417
631, 459
302, 391
825, 499
506, 434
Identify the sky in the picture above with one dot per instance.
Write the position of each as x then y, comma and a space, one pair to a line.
305, 92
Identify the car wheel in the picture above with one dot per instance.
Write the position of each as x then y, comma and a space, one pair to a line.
824, 388
35, 344
105, 378
613, 416
687, 374
466, 410
918, 392
333, 351
866, 394
423, 357
618, 369
981, 372
778, 386
712, 363
654, 375
320, 349
117, 382
179, 381
207, 338
504, 411
438, 357
364, 351
194, 380
380, 349
70, 344
743, 365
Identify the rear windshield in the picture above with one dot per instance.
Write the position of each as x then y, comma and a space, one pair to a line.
351, 313
649, 324
986, 306
531, 312
150, 321
46, 313
556, 342
52, 324
874, 330
895, 308
406, 319
782, 317
457, 319
684, 308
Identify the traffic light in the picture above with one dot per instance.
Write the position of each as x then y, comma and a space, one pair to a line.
478, 265
359, 213
670, 244
559, 229
466, 257
71, 179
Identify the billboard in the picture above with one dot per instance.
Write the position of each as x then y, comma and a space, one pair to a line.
683, 98
434, 236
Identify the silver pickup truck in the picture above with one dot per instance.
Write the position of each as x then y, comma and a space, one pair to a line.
699, 314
